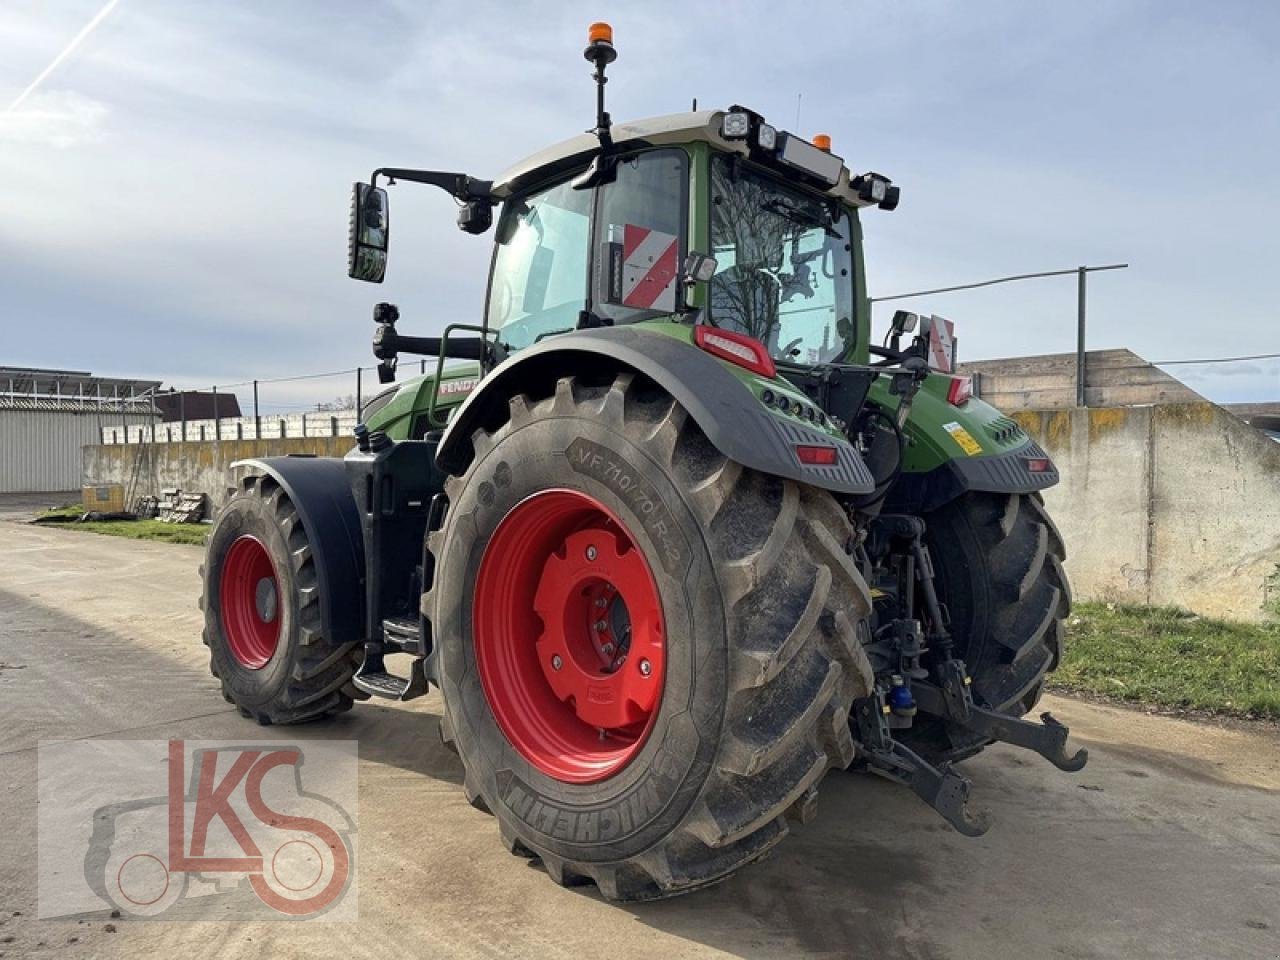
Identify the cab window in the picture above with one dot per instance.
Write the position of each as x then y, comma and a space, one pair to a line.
785, 266
639, 237
539, 281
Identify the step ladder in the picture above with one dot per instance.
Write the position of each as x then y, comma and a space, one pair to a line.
399, 635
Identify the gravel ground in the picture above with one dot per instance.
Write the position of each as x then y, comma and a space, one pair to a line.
1166, 846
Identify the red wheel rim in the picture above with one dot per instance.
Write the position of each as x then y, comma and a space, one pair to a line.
569, 637
249, 601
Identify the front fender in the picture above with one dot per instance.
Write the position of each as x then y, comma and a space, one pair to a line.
321, 493
729, 414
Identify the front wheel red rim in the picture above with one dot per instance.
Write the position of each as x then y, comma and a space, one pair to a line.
569, 637
249, 602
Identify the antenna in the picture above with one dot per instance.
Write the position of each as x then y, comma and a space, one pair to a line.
600, 52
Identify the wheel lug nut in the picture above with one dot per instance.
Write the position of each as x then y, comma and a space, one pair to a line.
601, 626
602, 602
646, 668
556, 662
591, 553
607, 647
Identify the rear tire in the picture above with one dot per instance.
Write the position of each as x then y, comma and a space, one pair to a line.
261, 608
761, 614
998, 563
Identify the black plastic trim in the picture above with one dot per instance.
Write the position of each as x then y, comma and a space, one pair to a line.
997, 473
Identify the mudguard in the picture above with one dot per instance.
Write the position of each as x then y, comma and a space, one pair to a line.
953, 450
729, 414
321, 493
1007, 472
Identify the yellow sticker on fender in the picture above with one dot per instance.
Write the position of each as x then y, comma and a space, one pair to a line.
963, 437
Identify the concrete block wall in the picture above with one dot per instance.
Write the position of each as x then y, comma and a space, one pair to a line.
1113, 378
192, 467
290, 426
1175, 504
1171, 504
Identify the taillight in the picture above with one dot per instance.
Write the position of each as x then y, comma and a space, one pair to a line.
961, 389
1039, 464
818, 455
737, 348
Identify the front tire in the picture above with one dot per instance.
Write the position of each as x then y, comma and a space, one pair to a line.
738, 592
261, 604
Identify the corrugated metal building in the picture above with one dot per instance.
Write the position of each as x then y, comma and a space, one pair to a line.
46, 416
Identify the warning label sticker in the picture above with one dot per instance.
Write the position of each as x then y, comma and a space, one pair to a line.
942, 344
960, 435
643, 267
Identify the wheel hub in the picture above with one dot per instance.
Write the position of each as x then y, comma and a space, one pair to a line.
569, 636
249, 603
587, 627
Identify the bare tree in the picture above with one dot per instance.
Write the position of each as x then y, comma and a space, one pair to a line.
346, 402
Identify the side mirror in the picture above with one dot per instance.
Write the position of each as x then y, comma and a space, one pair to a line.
904, 321
367, 234
697, 268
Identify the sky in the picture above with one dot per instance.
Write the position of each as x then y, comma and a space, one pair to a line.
173, 194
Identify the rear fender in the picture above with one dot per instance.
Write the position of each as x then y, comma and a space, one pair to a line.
729, 414
954, 450
321, 493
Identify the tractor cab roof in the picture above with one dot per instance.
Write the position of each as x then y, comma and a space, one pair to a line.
705, 126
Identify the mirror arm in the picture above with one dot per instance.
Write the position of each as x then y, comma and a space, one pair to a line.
459, 185
388, 344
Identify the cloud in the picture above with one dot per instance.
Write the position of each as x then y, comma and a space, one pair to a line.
59, 119
175, 195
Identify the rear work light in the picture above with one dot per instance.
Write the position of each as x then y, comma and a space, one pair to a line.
816, 455
737, 348
960, 390
1039, 464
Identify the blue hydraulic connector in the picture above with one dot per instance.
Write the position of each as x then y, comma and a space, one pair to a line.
900, 700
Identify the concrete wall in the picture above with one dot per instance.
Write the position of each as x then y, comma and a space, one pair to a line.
1175, 504
1113, 378
193, 467
321, 424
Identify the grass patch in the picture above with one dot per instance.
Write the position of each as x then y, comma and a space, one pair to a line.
193, 533
67, 510
1172, 659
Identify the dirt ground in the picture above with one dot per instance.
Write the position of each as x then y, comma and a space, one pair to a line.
1166, 846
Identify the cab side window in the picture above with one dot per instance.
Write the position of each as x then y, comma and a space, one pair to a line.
539, 281
640, 237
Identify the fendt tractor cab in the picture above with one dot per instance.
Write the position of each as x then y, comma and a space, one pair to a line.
670, 534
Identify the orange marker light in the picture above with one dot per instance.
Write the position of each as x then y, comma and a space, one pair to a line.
599, 32
822, 141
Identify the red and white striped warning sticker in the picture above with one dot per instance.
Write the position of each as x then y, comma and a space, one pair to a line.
648, 268
942, 344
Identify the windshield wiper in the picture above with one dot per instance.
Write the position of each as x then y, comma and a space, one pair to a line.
794, 215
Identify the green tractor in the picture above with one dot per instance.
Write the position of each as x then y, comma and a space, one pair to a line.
671, 536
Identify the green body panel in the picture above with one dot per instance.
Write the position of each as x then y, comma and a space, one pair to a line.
699, 237
861, 298
930, 443
412, 400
